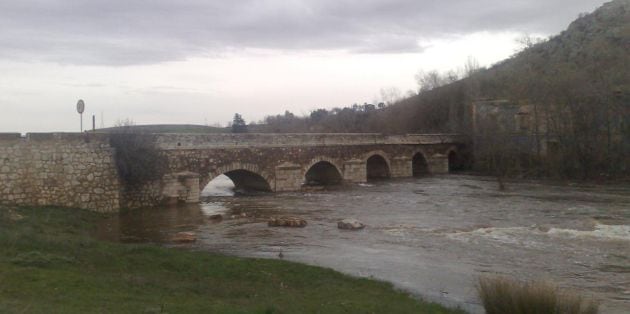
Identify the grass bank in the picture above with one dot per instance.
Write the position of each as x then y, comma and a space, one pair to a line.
50, 264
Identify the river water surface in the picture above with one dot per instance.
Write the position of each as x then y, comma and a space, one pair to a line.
431, 236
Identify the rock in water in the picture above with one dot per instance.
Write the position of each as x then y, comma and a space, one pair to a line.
217, 217
350, 224
185, 237
292, 222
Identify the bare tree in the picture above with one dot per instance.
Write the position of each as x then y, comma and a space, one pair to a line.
127, 122
471, 66
429, 80
527, 41
390, 95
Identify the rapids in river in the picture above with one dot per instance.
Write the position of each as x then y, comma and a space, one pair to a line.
431, 236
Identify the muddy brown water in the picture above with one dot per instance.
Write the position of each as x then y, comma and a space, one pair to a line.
431, 236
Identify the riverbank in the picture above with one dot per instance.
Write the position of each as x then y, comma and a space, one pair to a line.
50, 263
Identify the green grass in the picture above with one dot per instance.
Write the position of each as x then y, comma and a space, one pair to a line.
49, 263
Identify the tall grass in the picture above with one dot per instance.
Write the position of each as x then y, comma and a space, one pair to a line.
501, 295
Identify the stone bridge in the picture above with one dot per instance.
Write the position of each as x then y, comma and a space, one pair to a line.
80, 170
287, 162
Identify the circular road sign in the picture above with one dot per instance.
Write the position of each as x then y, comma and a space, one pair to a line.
80, 106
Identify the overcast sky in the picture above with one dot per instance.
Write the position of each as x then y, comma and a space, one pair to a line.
199, 62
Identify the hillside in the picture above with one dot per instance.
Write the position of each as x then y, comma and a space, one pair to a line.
593, 51
575, 84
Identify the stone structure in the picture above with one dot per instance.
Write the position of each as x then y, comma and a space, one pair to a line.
525, 126
79, 170
72, 170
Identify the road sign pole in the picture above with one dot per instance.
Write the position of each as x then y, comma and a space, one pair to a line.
80, 109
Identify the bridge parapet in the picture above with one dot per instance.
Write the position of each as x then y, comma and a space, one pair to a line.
201, 141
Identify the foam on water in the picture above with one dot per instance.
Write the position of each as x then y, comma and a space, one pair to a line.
519, 235
509, 235
210, 209
606, 232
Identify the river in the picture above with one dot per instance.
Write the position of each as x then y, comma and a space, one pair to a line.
431, 236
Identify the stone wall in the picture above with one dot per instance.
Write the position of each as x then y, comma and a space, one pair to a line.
70, 170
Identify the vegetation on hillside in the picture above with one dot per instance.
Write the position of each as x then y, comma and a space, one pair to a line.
51, 264
577, 82
238, 124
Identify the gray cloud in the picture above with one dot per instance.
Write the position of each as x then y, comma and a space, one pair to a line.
112, 32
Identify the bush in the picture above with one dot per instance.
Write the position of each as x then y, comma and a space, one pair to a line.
137, 159
502, 295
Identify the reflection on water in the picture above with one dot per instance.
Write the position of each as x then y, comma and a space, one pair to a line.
432, 236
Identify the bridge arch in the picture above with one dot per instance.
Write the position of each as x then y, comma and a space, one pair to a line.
420, 163
323, 171
455, 162
377, 165
245, 176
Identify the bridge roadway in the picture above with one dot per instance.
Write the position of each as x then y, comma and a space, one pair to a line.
287, 162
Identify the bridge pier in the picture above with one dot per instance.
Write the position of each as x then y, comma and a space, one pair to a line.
438, 164
355, 171
181, 187
288, 177
401, 167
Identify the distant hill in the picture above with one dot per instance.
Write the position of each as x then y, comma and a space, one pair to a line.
592, 52
166, 128
577, 82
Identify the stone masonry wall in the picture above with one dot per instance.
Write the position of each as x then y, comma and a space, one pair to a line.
57, 169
